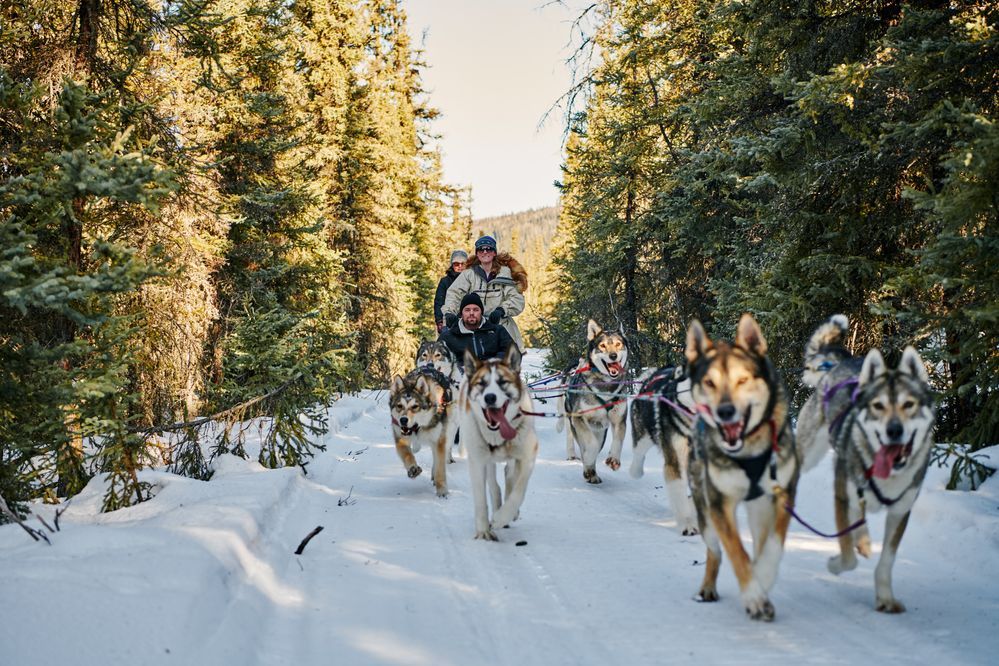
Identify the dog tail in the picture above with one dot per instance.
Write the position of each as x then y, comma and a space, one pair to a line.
825, 349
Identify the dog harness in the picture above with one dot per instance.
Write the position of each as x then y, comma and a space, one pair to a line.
827, 396
439, 377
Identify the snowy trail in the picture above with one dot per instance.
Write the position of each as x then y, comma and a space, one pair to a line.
604, 577
396, 577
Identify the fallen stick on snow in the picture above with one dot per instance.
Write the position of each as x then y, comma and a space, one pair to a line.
308, 537
35, 534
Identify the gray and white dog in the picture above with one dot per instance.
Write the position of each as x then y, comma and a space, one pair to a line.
593, 400
437, 355
664, 419
879, 421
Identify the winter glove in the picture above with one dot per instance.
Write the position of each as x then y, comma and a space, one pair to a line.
450, 320
496, 315
440, 326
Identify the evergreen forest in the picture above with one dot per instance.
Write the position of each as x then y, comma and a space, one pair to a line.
218, 215
214, 213
793, 159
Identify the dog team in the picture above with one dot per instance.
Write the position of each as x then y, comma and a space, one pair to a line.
722, 422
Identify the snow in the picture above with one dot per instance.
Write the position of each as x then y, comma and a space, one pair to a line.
204, 573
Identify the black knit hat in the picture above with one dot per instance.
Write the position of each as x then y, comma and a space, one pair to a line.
470, 299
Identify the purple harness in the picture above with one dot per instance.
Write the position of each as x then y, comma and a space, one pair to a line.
827, 397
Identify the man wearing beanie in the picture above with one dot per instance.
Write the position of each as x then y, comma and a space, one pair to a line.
458, 259
484, 339
500, 282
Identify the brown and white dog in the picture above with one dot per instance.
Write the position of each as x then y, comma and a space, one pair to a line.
420, 415
495, 429
742, 451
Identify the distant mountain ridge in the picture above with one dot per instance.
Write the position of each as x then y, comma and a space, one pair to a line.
521, 229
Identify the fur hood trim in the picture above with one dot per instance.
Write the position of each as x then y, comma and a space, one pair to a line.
517, 270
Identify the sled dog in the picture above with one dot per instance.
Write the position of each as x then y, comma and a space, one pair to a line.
879, 422
598, 382
440, 356
495, 429
742, 450
654, 422
420, 407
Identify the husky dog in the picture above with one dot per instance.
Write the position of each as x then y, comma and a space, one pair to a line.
879, 421
598, 382
742, 450
420, 414
495, 429
440, 356
655, 422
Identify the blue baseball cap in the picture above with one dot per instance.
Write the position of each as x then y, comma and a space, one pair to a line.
485, 243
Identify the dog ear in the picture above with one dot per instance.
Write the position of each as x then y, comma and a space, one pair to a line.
697, 341
749, 336
471, 363
396, 384
422, 385
592, 330
874, 367
912, 364
513, 357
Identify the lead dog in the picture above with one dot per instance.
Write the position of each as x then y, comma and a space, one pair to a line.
420, 414
495, 429
879, 421
742, 452
599, 383
656, 422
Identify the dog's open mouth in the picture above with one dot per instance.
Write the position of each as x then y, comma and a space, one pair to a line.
732, 435
890, 457
614, 369
410, 431
496, 420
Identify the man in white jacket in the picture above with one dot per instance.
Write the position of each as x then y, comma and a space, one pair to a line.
498, 279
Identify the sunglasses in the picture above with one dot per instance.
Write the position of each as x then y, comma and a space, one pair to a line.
485, 249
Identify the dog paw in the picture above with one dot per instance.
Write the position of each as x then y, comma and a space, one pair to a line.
707, 594
837, 565
486, 535
764, 611
864, 546
571, 457
414, 471
591, 476
613, 463
756, 603
689, 530
889, 606
636, 472
442, 491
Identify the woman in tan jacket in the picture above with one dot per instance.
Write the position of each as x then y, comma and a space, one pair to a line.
499, 280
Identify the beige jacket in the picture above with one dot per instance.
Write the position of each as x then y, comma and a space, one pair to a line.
506, 290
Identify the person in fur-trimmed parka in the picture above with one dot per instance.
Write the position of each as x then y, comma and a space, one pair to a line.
499, 280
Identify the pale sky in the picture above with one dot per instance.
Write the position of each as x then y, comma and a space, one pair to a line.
495, 67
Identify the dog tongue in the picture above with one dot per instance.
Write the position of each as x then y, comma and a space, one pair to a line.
507, 431
614, 368
884, 460
731, 431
